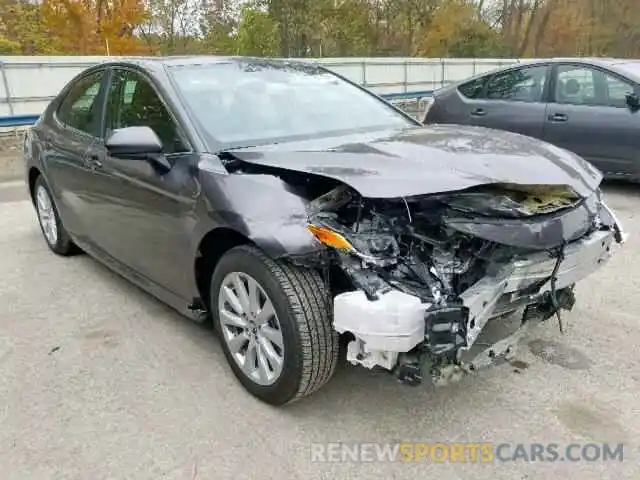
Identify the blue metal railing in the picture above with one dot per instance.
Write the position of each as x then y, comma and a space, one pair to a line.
18, 120
407, 95
26, 120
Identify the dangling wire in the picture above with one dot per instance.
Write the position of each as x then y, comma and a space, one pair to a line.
554, 278
408, 210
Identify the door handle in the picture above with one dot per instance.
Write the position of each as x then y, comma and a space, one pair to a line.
94, 161
478, 112
558, 117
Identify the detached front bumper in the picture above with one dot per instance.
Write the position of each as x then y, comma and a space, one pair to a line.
505, 292
397, 323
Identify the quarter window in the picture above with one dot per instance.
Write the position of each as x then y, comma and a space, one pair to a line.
521, 85
80, 108
474, 88
134, 102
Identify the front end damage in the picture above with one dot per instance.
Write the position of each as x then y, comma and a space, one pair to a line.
427, 274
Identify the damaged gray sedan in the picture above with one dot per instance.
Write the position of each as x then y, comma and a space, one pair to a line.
294, 209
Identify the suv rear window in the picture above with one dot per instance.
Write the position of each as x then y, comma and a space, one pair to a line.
474, 88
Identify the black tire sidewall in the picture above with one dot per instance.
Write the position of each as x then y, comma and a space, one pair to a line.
250, 261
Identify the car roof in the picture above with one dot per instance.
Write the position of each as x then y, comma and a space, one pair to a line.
604, 62
610, 63
159, 63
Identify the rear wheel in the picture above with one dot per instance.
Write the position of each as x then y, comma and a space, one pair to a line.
53, 231
274, 322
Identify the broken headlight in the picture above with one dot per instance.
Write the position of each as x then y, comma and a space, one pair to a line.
376, 248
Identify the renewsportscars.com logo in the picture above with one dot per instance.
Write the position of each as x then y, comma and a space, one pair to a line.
485, 452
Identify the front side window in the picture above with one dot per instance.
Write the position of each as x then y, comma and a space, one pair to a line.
133, 102
520, 85
617, 91
80, 108
240, 104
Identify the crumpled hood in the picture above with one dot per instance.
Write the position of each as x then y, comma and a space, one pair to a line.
430, 159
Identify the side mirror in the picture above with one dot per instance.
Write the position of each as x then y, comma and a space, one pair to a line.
133, 142
633, 101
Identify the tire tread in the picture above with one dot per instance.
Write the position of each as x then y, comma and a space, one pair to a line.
310, 304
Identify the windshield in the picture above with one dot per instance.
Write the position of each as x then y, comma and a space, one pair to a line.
631, 67
250, 103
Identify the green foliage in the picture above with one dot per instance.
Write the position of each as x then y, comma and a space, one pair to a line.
257, 33
7, 47
346, 29
312, 28
456, 30
21, 24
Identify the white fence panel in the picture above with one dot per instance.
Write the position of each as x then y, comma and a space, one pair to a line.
27, 84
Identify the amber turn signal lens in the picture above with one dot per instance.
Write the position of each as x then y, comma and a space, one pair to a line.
330, 238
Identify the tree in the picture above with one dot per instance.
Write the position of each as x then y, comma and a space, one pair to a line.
455, 30
346, 28
21, 24
8, 47
219, 26
258, 33
94, 26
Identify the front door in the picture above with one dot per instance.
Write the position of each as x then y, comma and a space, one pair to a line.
588, 115
144, 213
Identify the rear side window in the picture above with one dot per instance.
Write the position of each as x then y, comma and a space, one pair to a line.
474, 88
583, 85
576, 85
519, 85
80, 108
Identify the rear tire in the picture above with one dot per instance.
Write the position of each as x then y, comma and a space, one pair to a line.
300, 323
51, 226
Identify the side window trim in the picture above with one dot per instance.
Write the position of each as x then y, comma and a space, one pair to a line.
108, 74
101, 95
596, 68
179, 127
545, 88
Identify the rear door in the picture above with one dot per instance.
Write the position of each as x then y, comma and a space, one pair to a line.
512, 100
588, 115
71, 131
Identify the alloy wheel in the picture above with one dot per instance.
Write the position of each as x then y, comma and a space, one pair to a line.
250, 328
47, 215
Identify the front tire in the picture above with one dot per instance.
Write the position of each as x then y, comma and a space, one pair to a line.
274, 323
53, 231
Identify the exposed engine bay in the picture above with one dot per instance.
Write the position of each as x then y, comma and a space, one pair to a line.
415, 280
431, 271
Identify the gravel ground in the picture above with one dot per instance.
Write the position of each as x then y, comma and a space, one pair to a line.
10, 155
98, 380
